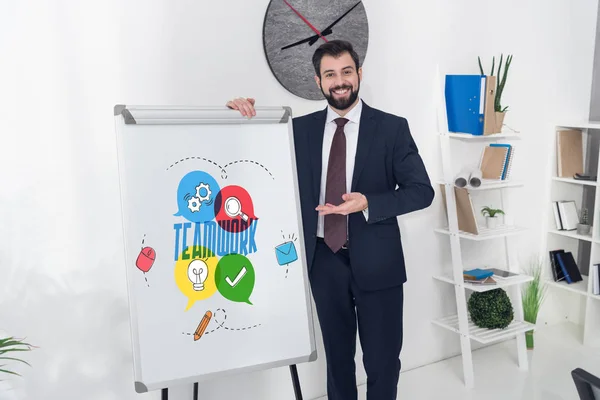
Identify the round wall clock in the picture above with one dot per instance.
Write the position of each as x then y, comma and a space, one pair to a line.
294, 29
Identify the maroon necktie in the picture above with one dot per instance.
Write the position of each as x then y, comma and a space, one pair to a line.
335, 224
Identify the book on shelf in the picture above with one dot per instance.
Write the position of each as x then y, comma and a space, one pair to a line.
564, 267
496, 161
487, 276
595, 274
479, 276
465, 213
565, 215
569, 152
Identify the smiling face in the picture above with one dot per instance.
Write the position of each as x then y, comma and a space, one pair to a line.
339, 81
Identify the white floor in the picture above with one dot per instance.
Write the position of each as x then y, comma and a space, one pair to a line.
558, 350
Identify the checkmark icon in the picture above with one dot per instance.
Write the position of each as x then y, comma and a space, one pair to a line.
237, 279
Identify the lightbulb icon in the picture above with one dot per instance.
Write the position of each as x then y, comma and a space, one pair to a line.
197, 273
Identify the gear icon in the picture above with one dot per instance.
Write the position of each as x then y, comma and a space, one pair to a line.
194, 204
206, 187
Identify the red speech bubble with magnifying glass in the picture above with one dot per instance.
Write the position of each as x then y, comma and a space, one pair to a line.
234, 203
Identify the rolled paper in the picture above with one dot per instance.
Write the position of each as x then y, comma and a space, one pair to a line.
475, 178
461, 179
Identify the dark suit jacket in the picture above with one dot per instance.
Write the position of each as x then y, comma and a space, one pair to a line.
386, 157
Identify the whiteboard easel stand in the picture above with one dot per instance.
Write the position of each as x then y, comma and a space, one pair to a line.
295, 383
191, 115
165, 393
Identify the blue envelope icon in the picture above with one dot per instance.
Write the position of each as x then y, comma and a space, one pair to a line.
286, 253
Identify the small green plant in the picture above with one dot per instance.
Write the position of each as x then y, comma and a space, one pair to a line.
12, 345
490, 212
533, 295
584, 216
491, 309
500, 82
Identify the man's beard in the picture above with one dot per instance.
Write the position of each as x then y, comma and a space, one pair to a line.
341, 104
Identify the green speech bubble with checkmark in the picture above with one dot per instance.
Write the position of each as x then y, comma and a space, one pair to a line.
235, 278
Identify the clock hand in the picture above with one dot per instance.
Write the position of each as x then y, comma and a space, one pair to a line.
311, 39
343, 15
305, 20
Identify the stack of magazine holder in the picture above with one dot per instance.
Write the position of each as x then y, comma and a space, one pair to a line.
575, 302
461, 322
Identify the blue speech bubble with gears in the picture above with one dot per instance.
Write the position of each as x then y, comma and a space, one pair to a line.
195, 195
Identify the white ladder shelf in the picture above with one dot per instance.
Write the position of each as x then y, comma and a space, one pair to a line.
461, 322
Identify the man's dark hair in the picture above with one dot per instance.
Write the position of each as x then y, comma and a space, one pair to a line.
334, 48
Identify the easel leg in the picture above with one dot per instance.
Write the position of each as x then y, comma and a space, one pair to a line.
165, 394
296, 382
196, 391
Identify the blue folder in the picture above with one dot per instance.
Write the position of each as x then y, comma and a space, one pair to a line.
479, 273
465, 101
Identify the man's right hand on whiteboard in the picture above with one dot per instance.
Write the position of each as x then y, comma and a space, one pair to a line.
245, 106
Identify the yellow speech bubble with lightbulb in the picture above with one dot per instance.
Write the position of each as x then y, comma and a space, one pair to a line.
195, 274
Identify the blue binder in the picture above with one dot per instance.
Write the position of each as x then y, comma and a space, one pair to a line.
465, 101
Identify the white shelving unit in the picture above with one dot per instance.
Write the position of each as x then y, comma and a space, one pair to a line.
584, 311
460, 322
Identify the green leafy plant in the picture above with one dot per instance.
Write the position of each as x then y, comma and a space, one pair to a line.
500, 82
12, 345
533, 295
491, 309
490, 212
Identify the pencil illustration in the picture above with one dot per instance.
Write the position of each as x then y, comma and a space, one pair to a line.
202, 325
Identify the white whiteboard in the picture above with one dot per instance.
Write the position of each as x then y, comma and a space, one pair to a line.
181, 170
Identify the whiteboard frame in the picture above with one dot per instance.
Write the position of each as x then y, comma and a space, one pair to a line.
198, 115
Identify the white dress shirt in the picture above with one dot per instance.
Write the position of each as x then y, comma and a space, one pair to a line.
351, 132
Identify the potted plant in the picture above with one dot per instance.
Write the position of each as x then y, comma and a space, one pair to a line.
491, 216
491, 309
500, 82
533, 294
583, 227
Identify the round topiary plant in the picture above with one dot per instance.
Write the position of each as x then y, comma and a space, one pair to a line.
491, 309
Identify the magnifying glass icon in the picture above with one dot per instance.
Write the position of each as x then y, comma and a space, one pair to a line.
233, 208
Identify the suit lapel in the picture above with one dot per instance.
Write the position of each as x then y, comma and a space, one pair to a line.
315, 138
366, 133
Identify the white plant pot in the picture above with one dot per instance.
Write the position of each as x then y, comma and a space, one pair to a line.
491, 222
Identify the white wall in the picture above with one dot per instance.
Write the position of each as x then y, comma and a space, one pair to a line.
64, 65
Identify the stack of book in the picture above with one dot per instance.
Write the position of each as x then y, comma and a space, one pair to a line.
596, 279
564, 267
496, 161
565, 215
479, 276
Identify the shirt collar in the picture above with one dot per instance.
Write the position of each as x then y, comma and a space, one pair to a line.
353, 115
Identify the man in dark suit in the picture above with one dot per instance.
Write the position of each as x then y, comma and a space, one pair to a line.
358, 168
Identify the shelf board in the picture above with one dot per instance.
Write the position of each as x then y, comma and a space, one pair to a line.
573, 234
489, 184
575, 181
577, 287
469, 136
582, 125
595, 296
485, 233
500, 283
484, 335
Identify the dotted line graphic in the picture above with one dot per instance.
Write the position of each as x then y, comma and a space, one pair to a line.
223, 172
221, 325
145, 277
252, 162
